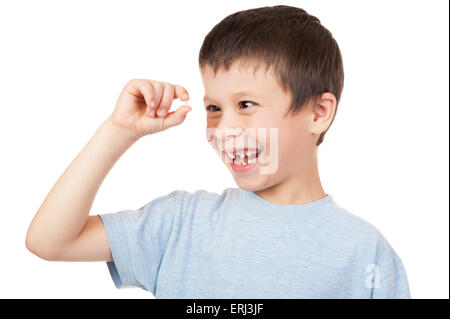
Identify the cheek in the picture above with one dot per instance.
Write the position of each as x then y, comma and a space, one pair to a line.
210, 131
211, 122
293, 140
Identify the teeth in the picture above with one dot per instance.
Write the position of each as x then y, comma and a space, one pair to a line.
239, 158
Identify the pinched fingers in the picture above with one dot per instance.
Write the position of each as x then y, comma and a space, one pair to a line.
171, 92
158, 95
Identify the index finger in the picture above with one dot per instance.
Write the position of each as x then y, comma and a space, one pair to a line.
181, 93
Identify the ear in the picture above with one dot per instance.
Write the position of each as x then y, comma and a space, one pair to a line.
323, 112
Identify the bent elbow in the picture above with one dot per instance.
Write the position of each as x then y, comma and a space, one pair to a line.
39, 249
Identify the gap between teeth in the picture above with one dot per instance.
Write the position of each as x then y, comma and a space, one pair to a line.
242, 162
238, 159
242, 155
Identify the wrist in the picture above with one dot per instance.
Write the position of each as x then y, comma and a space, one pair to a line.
119, 132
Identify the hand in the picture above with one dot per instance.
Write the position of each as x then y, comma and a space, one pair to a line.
143, 107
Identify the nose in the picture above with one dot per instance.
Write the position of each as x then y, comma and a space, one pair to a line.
226, 130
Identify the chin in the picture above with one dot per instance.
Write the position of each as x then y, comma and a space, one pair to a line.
251, 180
251, 184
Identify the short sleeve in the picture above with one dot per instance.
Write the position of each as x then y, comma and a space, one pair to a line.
390, 280
138, 240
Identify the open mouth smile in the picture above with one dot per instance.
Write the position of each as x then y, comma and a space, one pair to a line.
242, 160
243, 156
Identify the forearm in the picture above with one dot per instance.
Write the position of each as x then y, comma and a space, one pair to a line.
65, 210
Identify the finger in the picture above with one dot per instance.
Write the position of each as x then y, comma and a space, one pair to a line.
149, 97
141, 88
181, 93
177, 117
144, 88
166, 100
157, 92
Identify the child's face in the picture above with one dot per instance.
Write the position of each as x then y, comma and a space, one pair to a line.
247, 111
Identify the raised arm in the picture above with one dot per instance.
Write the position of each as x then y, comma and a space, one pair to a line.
62, 228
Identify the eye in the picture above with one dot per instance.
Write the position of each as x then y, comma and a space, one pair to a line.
212, 108
243, 103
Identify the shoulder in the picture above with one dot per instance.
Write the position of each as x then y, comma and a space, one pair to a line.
355, 230
357, 234
375, 253
347, 222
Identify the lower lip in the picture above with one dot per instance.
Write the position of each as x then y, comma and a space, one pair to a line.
241, 169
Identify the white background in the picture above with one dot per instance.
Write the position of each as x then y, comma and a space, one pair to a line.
63, 65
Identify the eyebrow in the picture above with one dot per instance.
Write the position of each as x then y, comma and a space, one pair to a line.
234, 94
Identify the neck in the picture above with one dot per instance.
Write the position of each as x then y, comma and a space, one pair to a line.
301, 187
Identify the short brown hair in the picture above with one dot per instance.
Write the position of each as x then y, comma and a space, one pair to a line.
303, 53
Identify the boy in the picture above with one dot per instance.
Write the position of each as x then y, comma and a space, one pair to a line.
273, 77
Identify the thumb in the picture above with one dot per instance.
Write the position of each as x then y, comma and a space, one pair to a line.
177, 117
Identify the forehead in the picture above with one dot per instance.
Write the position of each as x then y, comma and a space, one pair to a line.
249, 77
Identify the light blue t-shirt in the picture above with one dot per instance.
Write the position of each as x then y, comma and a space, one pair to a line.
238, 245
